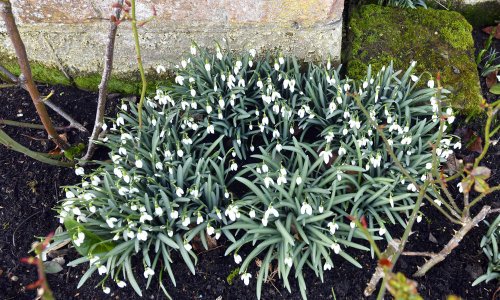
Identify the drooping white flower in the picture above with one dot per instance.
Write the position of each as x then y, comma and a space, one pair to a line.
251, 214
106, 289
268, 181
460, 187
411, 187
335, 247
158, 211
332, 226
180, 153
102, 270
232, 212
457, 145
148, 272
237, 258
142, 235
210, 229
233, 166
80, 238
246, 278
430, 84
79, 171
306, 209
327, 266
111, 222
326, 155
179, 80
145, 217
288, 261
188, 247
199, 219
174, 214
419, 218
298, 180
342, 151
179, 191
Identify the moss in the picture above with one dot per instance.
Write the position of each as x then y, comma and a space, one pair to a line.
232, 275
478, 15
440, 41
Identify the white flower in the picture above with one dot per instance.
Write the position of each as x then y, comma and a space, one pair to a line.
268, 181
419, 218
138, 163
122, 151
210, 129
142, 235
102, 270
148, 272
414, 78
298, 180
186, 221
411, 187
210, 229
79, 240
406, 140
193, 93
232, 212
321, 209
382, 231
188, 247
121, 284
69, 194
111, 222
428, 166
120, 121
199, 219
179, 192
281, 179
335, 247
288, 261
158, 211
237, 258
251, 214
246, 278
145, 217
329, 137
342, 150
180, 153
106, 289
207, 67
333, 227
160, 69
430, 84
159, 166
174, 214
460, 187
79, 171
306, 209
438, 202
193, 49
326, 155
327, 266
457, 145
178, 79
184, 64
233, 166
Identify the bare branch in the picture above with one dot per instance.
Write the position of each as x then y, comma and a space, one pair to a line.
103, 85
392, 248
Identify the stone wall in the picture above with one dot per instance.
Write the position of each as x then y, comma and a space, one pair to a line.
71, 34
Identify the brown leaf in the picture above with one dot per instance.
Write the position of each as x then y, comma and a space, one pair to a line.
489, 29
491, 79
469, 137
481, 172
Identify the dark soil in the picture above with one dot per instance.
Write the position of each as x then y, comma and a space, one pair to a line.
29, 190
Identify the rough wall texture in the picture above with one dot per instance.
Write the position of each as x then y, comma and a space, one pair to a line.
71, 34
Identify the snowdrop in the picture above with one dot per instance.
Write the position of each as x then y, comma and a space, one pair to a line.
333, 227
326, 154
430, 84
288, 261
327, 266
306, 209
335, 247
102, 270
79, 171
342, 151
246, 278
142, 235
80, 238
411, 187
232, 212
237, 258
179, 191
148, 272
111, 222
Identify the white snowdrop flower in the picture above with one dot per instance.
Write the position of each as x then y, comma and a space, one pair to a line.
276, 133
281, 179
450, 120
430, 84
148, 272
347, 114
327, 266
120, 121
276, 66
193, 49
130, 234
186, 221
288, 261
250, 63
419, 218
207, 67
457, 145
276, 108
414, 78
260, 85
159, 166
122, 151
195, 193
292, 131
121, 284
237, 258
329, 137
179, 80
210, 229
321, 209
411, 187
352, 224
251, 214
233, 166
133, 207
345, 131
145, 217
279, 147
111, 222
174, 214
241, 83
92, 209
428, 166
306, 209
79, 171
80, 238
184, 105
184, 64
124, 107
179, 192
106, 289
292, 86
460, 187
439, 151
226, 194
142, 235
265, 168
69, 194
265, 120
187, 141
423, 177
199, 219
102, 270
326, 155
246, 278
188, 247
194, 105
342, 151
160, 69
438, 202
158, 211
281, 60
406, 140
193, 93
138, 163
332, 226
180, 153
208, 108
332, 107
335, 247
232, 212
347, 87
252, 52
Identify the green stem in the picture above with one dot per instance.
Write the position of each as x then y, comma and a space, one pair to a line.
481, 196
12, 144
139, 62
486, 137
27, 125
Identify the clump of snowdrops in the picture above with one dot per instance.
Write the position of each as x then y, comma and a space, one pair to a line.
269, 153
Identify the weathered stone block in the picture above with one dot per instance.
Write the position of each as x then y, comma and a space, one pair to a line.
71, 34
440, 41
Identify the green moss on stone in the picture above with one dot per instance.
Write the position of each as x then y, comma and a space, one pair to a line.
479, 15
440, 41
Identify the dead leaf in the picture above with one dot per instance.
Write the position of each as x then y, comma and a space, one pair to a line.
489, 29
469, 137
491, 79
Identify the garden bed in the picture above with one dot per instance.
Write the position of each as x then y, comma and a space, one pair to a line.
29, 191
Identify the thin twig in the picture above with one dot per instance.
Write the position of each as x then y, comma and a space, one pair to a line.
26, 77
103, 85
139, 62
30, 125
392, 247
410, 253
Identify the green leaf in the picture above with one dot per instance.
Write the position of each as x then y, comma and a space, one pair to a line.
52, 267
495, 89
92, 244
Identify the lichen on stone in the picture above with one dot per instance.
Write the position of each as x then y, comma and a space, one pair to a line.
440, 41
